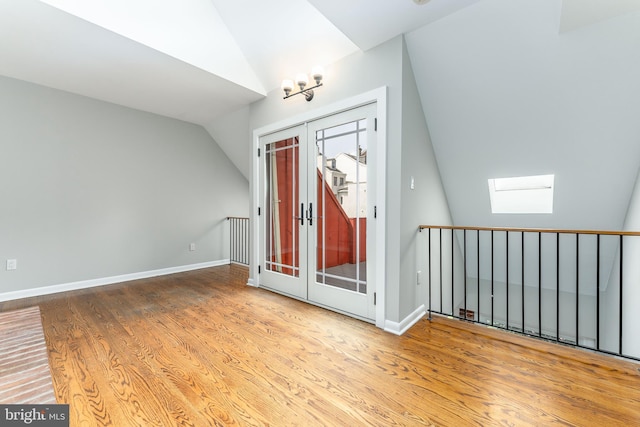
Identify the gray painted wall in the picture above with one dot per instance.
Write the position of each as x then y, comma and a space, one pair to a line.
93, 190
630, 287
427, 202
231, 132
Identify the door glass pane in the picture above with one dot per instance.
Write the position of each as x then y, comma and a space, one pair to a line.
341, 182
282, 206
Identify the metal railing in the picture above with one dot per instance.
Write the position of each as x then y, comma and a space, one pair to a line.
575, 287
239, 239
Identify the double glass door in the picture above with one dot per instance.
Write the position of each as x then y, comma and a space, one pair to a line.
317, 225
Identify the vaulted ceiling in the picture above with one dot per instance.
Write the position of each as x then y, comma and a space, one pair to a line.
192, 60
515, 88
508, 87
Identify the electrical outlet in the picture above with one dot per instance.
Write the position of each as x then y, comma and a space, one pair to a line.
12, 264
192, 247
418, 277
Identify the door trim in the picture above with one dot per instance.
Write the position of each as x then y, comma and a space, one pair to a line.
379, 96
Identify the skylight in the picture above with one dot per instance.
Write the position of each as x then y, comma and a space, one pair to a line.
522, 195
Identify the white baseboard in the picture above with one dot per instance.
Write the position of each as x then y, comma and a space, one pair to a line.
84, 284
251, 282
400, 328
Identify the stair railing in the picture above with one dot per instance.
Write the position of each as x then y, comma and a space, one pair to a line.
575, 287
239, 239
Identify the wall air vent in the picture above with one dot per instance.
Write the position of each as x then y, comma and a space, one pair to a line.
466, 314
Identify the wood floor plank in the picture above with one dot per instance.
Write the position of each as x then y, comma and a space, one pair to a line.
201, 348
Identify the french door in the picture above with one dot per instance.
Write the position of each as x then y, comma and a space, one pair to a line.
319, 207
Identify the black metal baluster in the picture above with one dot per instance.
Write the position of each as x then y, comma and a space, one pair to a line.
464, 258
522, 296
598, 292
621, 282
507, 279
492, 300
478, 259
452, 281
540, 284
245, 245
577, 289
441, 307
557, 286
230, 240
429, 255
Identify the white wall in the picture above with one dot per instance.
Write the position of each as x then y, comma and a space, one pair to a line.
93, 190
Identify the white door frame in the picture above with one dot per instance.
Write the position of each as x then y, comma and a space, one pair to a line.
380, 97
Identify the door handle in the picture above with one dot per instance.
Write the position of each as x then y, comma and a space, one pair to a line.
301, 217
310, 214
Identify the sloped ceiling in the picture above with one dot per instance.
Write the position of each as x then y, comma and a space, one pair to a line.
369, 23
506, 94
196, 60
45, 45
580, 13
508, 87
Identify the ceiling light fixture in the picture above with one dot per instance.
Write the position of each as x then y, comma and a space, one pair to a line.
302, 80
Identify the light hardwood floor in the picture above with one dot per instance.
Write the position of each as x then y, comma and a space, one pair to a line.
201, 348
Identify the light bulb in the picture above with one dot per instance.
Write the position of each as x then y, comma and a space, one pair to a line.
287, 86
302, 80
317, 72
